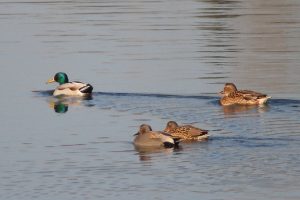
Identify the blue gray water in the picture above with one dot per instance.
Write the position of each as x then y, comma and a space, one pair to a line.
150, 61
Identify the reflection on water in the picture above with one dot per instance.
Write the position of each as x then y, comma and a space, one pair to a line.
146, 153
235, 109
62, 103
59, 107
135, 54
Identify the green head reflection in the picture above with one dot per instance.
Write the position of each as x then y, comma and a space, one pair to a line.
61, 104
60, 108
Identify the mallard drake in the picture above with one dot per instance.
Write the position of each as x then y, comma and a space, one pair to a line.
74, 88
185, 132
146, 137
231, 95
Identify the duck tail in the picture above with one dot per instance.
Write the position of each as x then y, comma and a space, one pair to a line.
169, 145
204, 132
87, 89
263, 100
177, 141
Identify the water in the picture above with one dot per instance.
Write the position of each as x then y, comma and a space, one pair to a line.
149, 62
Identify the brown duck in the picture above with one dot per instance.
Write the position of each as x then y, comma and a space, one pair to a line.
231, 95
185, 132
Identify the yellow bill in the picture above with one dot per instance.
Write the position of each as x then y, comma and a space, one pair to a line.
51, 80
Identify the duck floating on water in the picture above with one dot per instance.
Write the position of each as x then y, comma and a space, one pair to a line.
74, 88
148, 138
186, 132
231, 95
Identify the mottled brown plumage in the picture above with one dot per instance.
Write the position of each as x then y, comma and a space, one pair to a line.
185, 132
231, 95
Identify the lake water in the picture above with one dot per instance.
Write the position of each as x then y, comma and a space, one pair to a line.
150, 61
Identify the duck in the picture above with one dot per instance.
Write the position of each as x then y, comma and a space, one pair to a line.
231, 95
147, 138
186, 132
74, 88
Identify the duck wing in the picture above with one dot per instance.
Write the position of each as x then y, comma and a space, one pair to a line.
169, 135
71, 85
248, 94
194, 131
76, 85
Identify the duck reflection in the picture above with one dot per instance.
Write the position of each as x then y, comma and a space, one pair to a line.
146, 153
61, 104
59, 107
236, 109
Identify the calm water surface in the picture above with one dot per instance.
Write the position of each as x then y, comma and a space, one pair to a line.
149, 62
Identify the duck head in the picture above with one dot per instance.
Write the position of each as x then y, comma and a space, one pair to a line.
144, 128
59, 77
170, 126
229, 88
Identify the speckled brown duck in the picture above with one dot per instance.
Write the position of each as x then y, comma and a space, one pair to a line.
146, 137
231, 95
186, 132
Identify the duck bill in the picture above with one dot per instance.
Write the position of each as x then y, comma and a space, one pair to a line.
51, 80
